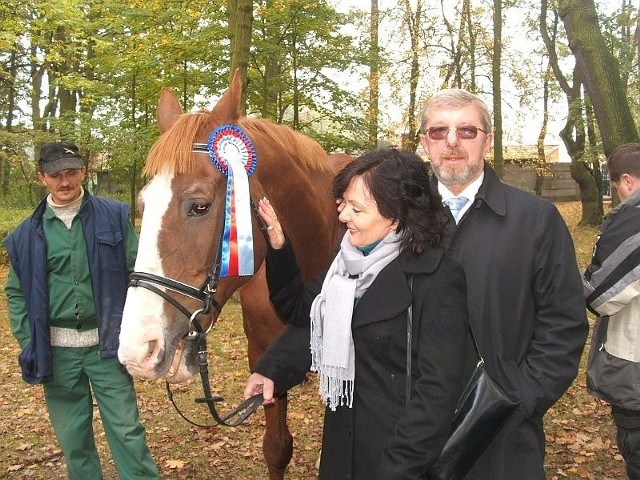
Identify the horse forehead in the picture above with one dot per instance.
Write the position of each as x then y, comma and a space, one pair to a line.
201, 175
156, 197
157, 194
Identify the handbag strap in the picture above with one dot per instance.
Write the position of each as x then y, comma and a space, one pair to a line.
475, 344
409, 334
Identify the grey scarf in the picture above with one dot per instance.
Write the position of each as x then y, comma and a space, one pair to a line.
332, 351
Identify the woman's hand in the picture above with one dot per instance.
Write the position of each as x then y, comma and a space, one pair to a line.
260, 384
274, 229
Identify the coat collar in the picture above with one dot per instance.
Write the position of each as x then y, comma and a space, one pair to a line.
631, 202
389, 295
491, 192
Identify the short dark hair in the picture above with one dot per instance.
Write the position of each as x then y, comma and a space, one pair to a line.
624, 159
399, 183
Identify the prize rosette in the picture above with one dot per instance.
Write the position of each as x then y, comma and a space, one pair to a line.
234, 155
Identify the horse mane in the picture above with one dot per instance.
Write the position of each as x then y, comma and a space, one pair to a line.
303, 149
172, 152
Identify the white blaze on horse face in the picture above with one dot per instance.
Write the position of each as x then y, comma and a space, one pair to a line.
142, 335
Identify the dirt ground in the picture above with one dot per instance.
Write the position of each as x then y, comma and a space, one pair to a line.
580, 433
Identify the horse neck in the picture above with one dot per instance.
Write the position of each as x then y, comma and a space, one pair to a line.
308, 215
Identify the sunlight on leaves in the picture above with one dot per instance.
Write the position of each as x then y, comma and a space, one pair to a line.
175, 464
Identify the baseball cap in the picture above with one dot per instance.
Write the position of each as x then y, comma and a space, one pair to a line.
58, 156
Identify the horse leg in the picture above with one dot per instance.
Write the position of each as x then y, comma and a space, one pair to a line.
277, 443
261, 326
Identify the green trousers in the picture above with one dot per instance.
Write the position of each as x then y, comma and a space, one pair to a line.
78, 371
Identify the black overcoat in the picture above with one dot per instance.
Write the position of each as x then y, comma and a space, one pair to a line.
527, 311
380, 437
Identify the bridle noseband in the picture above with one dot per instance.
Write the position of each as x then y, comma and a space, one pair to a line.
206, 293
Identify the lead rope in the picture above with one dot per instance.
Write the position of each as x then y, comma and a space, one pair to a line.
242, 412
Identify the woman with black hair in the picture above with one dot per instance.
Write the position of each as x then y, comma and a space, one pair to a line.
350, 325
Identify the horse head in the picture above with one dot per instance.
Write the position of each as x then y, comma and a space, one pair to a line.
185, 213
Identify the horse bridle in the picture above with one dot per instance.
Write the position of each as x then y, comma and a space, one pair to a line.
196, 333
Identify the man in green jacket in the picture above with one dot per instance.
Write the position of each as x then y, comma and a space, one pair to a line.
66, 288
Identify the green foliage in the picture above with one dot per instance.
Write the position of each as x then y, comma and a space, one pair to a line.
91, 71
10, 218
299, 60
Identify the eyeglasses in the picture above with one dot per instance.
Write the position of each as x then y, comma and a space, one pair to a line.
463, 133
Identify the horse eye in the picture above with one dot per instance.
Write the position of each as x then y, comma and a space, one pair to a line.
198, 209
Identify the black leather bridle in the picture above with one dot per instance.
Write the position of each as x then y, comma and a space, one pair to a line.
205, 294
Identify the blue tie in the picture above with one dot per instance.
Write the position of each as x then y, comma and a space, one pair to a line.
455, 204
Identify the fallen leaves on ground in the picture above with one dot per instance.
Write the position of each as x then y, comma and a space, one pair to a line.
580, 433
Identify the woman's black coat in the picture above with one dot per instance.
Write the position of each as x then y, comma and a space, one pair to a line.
380, 437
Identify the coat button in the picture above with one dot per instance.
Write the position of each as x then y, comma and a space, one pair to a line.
349, 433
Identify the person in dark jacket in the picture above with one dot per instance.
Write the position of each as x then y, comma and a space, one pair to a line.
524, 289
612, 291
350, 325
70, 262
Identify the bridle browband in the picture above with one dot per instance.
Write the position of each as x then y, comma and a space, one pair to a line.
155, 283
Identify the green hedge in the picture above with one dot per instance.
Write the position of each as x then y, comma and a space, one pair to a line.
9, 219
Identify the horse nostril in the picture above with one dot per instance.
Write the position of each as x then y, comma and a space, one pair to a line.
152, 349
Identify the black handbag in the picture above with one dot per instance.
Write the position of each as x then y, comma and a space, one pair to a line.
483, 409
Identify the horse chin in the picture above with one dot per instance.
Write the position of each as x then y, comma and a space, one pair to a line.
182, 368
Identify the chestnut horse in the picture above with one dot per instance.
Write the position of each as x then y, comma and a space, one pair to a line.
183, 210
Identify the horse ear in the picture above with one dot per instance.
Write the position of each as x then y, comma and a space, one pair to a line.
169, 109
229, 104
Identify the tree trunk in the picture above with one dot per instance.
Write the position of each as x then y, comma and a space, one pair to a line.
498, 157
593, 164
5, 166
240, 20
66, 96
270, 91
133, 187
467, 18
601, 73
296, 91
573, 133
541, 164
410, 138
37, 74
589, 194
374, 76
133, 173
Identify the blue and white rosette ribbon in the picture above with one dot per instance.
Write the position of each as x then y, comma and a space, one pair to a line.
233, 154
